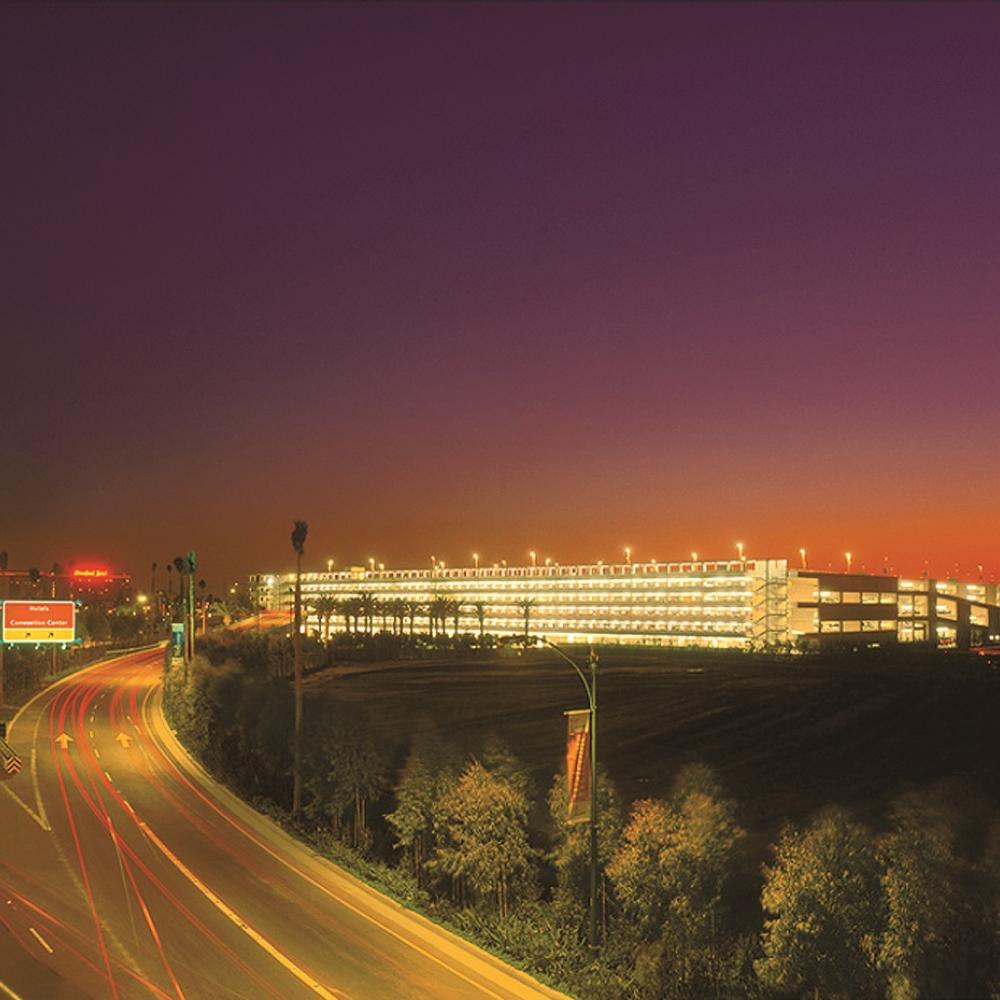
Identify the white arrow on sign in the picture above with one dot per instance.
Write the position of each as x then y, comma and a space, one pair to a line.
124, 740
63, 740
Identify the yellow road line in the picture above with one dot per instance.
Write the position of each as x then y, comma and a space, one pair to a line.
254, 936
443, 943
38, 937
7, 991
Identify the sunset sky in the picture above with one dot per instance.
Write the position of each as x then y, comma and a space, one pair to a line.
443, 279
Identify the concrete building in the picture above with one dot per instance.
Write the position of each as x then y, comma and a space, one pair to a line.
725, 604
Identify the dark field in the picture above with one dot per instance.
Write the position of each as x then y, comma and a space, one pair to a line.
786, 736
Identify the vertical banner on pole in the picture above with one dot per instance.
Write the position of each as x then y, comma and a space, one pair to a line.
578, 775
177, 638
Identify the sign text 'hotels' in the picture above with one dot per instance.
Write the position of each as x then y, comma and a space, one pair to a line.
39, 621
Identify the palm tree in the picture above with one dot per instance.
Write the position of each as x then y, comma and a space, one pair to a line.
350, 608
410, 610
455, 612
479, 610
437, 611
153, 596
524, 606
369, 605
299, 531
170, 584
324, 608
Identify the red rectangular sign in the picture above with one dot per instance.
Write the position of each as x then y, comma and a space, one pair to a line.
39, 621
578, 776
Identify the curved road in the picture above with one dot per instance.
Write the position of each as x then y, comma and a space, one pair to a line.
125, 871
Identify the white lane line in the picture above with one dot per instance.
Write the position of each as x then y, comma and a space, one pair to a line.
108, 776
97, 753
300, 975
38, 937
92, 731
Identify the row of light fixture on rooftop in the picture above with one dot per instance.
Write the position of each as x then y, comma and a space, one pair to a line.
437, 564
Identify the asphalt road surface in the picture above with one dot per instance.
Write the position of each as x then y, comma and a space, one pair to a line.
125, 871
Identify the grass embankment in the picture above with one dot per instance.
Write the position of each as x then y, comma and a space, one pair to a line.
786, 736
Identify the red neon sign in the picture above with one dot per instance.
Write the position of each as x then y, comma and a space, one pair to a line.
90, 574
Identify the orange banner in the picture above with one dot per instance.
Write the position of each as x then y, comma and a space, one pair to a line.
578, 766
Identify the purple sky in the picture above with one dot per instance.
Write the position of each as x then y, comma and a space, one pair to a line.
468, 277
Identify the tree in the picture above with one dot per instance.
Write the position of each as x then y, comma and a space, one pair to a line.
571, 855
299, 531
824, 898
670, 872
325, 607
525, 606
479, 610
346, 771
923, 881
455, 613
350, 608
368, 608
481, 823
428, 771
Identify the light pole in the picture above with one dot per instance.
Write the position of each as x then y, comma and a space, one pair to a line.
590, 686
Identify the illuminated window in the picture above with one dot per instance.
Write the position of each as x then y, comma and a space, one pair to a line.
887, 598
947, 609
869, 597
868, 625
852, 597
829, 626
829, 597
853, 625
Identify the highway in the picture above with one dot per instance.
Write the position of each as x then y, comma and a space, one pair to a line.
125, 871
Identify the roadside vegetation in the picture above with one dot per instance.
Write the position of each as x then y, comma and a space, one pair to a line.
700, 897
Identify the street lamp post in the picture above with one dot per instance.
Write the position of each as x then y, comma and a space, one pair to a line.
590, 687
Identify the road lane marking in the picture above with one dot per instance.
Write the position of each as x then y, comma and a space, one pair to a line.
108, 776
339, 895
97, 753
280, 957
24, 805
38, 937
9, 992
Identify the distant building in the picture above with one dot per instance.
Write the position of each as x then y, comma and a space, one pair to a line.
723, 604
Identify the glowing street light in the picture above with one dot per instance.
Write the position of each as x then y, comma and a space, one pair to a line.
694, 557
802, 558
628, 554
848, 558
739, 549
371, 563
329, 565
475, 559
533, 558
